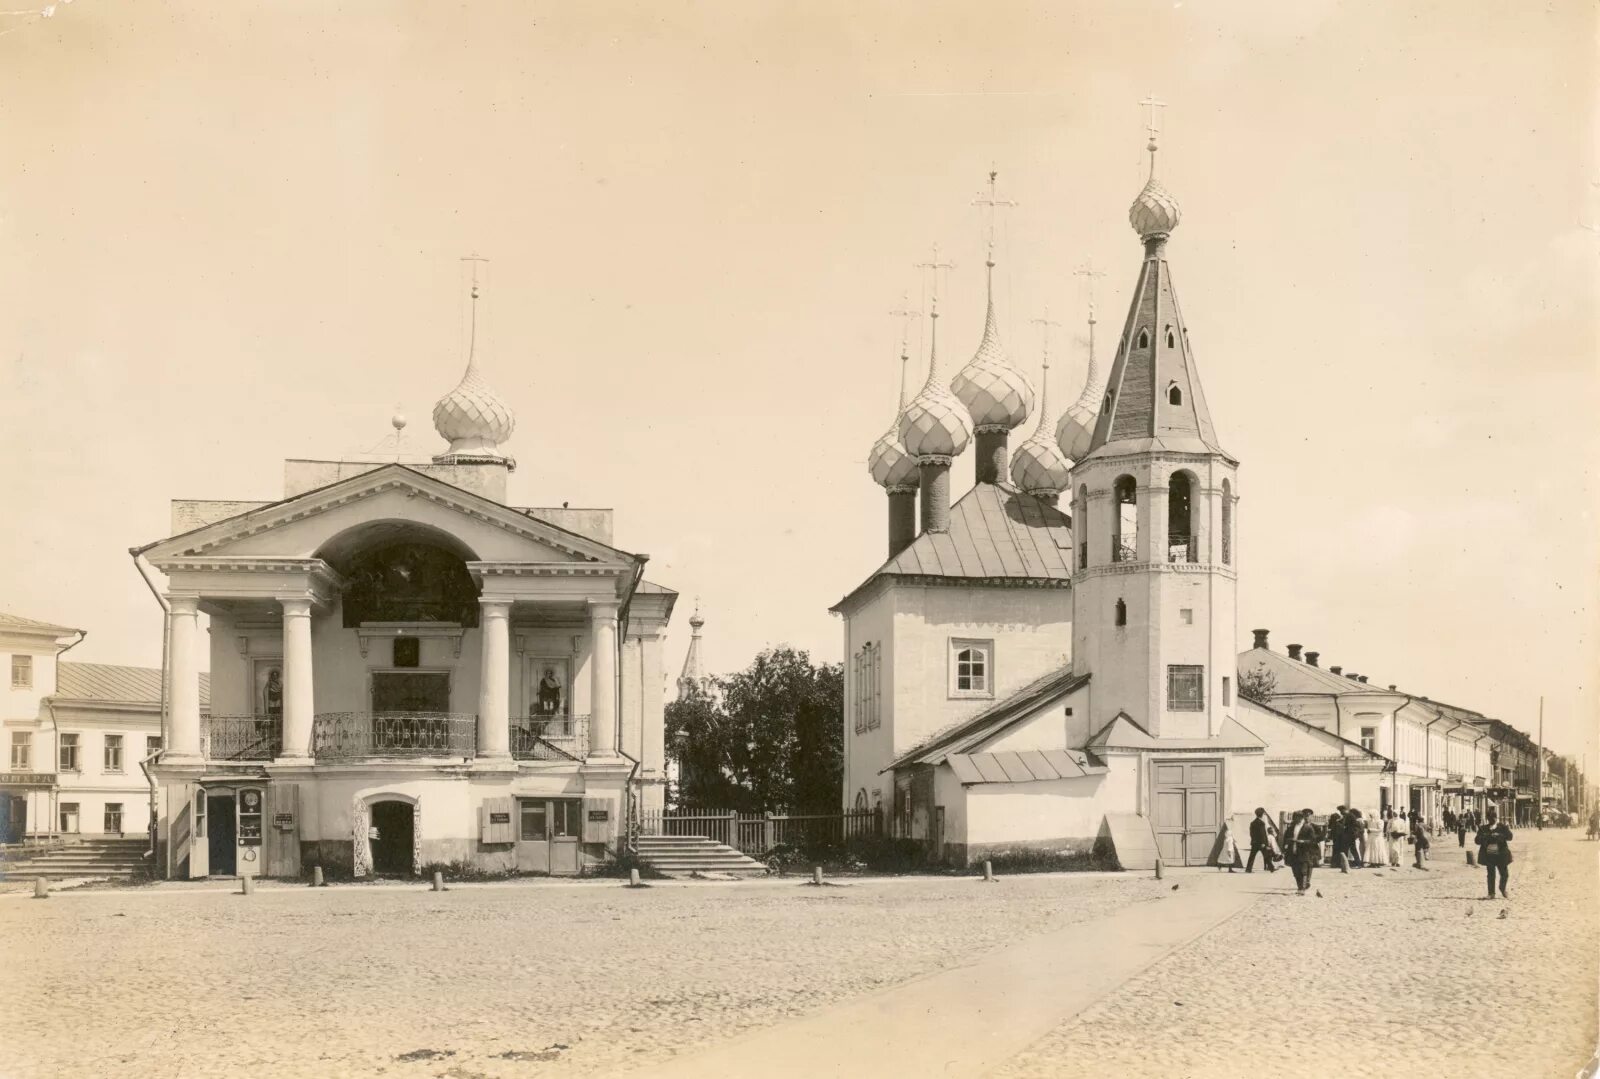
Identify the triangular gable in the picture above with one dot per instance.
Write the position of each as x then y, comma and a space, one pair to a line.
303, 523
1123, 733
971, 733
1287, 736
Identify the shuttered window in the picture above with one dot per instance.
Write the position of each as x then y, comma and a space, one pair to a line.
1186, 688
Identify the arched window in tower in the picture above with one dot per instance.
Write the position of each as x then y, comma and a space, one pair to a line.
1174, 394
1106, 406
1180, 518
1122, 613
1172, 338
1080, 524
1144, 338
1125, 520
1227, 523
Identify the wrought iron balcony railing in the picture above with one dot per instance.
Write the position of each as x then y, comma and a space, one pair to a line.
1123, 552
348, 735
1180, 549
550, 738
241, 738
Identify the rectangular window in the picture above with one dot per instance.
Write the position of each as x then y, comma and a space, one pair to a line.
114, 817
1186, 688
69, 753
566, 824
21, 751
970, 666
877, 686
113, 752
1187, 614
1369, 738
152, 743
1227, 691
1083, 555
21, 672
68, 817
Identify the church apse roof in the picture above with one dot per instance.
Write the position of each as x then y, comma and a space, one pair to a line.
997, 535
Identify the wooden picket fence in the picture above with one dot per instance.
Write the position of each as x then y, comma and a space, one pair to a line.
756, 833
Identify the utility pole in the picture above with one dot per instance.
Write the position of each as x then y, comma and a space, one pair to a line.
1538, 788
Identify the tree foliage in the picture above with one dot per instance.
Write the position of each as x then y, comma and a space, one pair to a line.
763, 739
1258, 685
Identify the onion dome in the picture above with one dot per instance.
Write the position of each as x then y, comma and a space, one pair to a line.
1155, 212
997, 395
1075, 429
472, 417
891, 466
935, 423
1038, 468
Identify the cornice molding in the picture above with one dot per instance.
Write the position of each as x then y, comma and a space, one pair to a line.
482, 571
1118, 568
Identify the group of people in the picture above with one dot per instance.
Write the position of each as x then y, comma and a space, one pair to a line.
1357, 840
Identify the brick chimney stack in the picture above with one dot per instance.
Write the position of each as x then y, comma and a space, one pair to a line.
1294, 651
1312, 657
1261, 638
1336, 670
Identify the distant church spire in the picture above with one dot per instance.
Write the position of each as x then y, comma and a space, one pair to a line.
1153, 398
891, 467
934, 427
1039, 469
693, 678
472, 417
1076, 427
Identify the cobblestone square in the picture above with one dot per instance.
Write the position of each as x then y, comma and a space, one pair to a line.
1398, 970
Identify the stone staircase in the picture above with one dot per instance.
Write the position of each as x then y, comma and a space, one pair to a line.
681, 855
114, 858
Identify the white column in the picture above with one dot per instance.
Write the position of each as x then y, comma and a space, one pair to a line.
183, 716
298, 701
603, 686
494, 683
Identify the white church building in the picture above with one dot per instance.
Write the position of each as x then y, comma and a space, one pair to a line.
406, 669
1027, 673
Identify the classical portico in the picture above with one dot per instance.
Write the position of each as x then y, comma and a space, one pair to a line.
405, 668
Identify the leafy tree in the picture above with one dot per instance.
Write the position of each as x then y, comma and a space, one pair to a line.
1258, 685
766, 738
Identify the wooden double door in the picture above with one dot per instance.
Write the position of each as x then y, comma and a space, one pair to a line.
1186, 798
548, 833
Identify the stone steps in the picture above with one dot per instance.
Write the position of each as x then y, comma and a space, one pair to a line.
682, 855
121, 859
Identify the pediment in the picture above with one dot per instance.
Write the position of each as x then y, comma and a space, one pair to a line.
390, 503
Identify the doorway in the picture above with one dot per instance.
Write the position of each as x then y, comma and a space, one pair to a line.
221, 835
1186, 800
548, 835
392, 837
13, 818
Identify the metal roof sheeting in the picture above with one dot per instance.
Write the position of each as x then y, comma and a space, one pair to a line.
1022, 766
114, 683
30, 625
994, 532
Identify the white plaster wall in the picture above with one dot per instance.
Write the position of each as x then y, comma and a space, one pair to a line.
949, 793
1047, 728
22, 703
867, 753
93, 786
1024, 812
1246, 782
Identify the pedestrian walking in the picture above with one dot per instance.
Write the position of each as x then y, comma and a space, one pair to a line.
1461, 829
1355, 837
1261, 832
1494, 853
1335, 835
1419, 840
1228, 848
1377, 849
1594, 824
1302, 845
1397, 837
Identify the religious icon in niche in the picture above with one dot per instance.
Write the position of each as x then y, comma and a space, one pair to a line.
268, 688
407, 651
549, 694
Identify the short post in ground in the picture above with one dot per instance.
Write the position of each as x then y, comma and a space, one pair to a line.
816, 874
247, 885
41, 888
438, 881
1470, 859
316, 876
988, 871
633, 878
1159, 872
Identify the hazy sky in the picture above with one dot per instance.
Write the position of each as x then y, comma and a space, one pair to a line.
229, 234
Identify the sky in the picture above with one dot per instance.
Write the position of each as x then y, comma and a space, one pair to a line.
231, 234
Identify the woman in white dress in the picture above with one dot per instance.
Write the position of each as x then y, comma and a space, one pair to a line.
1377, 849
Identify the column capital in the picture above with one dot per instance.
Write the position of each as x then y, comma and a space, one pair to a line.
495, 605
183, 602
296, 605
604, 609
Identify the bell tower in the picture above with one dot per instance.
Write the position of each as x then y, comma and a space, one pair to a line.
1155, 564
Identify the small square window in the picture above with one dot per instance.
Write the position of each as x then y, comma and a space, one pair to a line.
21, 672
1187, 614
971, 668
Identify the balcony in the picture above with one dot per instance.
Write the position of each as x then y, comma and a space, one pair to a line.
241, 738
550, 738
355, 735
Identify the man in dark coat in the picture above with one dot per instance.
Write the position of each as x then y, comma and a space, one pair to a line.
1260, 829
1336, 836
1302, 846
1494, 852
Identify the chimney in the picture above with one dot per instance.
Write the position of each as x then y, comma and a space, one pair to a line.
1312, 657
1261, 638
1353, 676
902, 518
1362, 679
1391, 685
1294, 651
1336, 670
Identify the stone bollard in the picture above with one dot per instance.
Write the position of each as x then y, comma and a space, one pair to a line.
316, 877
816, 874
1471, 860
247, 885
633, 878
438, 881
988, 872
1158, 869
41, 889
